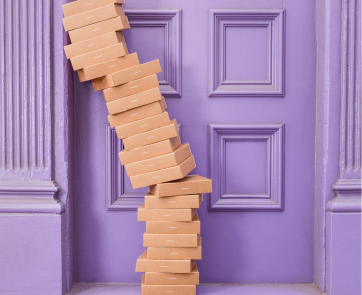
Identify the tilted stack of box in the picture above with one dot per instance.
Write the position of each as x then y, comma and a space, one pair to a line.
153, 154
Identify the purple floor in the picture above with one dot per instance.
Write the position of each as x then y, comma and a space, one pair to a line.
98, 289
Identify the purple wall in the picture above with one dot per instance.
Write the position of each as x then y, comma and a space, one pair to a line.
270, 112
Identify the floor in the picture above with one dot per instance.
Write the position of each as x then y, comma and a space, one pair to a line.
108, 289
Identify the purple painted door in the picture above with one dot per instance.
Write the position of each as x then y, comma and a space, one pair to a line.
239, 76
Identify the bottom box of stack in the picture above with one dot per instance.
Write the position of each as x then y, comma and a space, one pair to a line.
167, 289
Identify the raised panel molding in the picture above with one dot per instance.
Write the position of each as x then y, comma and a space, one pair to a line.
273, 135
116, 197
171, 20
274, 21
25, 95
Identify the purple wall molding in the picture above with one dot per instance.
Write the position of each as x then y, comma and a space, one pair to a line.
116, 197
343, 217
25, 96
273, 199
170, 19
274, 21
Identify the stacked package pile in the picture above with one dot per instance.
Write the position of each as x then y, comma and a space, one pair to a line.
153, 154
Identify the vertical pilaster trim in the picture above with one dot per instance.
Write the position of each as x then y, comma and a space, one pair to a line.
25, 98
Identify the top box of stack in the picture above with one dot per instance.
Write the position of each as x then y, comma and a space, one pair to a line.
191, 184
92, 16
80, 6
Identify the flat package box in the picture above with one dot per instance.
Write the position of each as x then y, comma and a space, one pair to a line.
151, 136
173, 202
130, 88
170, 266
80, 6
98, 56
163, 253
118, 23
108, 67
92, 16
128, 75
137, 113
170, 240
157, 278
160, 162
149, 151
143, 125
86, 46
167, 289
133, 101
191, 184
164, 175
174, 227
144, 214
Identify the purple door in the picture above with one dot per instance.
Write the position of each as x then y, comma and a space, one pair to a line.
239, 77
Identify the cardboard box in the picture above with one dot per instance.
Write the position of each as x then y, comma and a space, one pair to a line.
133, 101
157, 278
170, 240
108, 67
73, 50
191, 184
137, 113
137, 72
92, 16
130, 88
174, 227
118, 23
149, 151
143, 125
144, 214
151, 136
170, 266
174, 202
80, 6
98, 56
163, 253
127, 75
166, 289
164, 175
160, 162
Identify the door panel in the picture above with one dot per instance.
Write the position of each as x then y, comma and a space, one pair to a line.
254, 135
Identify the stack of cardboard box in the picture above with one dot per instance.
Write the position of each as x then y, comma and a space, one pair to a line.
153, 154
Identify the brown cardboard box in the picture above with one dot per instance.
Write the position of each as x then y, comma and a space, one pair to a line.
170, 240
143, 125
133, 101
98, 56
125, 76
151, 136
80, 6
163, 253
160, 162
191, 184
130, 88
149, 151
174, 202
137, 113
92, 16
167, 289
165, 214
164, 175
174, 227
93, 44
108, 67
110, 25
137, 72
157, 278
171, 266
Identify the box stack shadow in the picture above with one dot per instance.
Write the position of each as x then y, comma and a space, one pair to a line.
152, 151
